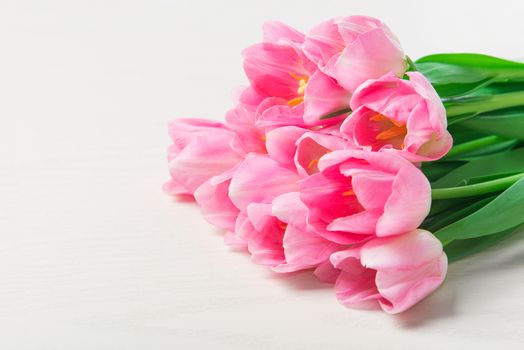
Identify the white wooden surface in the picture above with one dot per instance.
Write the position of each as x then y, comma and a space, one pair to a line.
94, 256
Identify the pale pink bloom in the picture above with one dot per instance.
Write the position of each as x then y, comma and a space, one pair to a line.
354, 49
263, 234
404, 116
213, 198
249, 137
201, 149
312, 146
297, 91
259, 179
277, 235
281, 144
397, 271
300, 148
280, 33
357, 195
303, 247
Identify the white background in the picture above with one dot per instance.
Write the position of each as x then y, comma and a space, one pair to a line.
94, 256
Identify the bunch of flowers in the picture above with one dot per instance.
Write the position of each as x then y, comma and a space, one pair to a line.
337, 158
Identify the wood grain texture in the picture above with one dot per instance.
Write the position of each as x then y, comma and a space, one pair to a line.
94, 256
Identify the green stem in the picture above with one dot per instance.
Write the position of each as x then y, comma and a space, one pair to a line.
476, 189
481, 104
473, 145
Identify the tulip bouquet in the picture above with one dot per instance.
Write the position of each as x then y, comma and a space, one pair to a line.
346, 158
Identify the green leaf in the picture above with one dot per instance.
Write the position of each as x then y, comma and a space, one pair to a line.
499, 147
503, 213
458, 89
462, 248
436, 170
468, 68
502, 123
454, 213
500, 163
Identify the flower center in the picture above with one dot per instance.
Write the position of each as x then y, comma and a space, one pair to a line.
312, 163
348, 193
393, 131
302, 83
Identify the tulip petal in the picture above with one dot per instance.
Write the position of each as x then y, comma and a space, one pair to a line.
402, 252
215, 204
259, 179
371, 55
323, 95
280, 143
408, 204
311, 147
400, 290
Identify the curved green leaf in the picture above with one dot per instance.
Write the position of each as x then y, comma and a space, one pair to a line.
503, 123
462, 248
503, 213
501, 163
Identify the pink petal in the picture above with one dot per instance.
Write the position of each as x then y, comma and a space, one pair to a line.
311, 147
215, 204
355, 284
278, 32
323, 44
401, 252
260, 179
323, 95
275, 112
326, 272
289, 208
408, 204
304, 249
205, 157
265, 243
270, 69
400, 290
280, 143
370, 56
248, 138
364, 222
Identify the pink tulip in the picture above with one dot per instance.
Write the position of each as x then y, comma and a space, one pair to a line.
397, 271
404, 116
259, 179
312, 146
354, 49
303, 247
249, 137
277, 235
357, 195
213, 198
286, 87
201, 149
300, 148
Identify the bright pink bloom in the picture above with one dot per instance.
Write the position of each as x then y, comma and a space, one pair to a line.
360, 194
300, 148
312, 146
277, 235
303, 247
406, 116
272, 220
354, 49
297, 91
201, 149
397, 271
